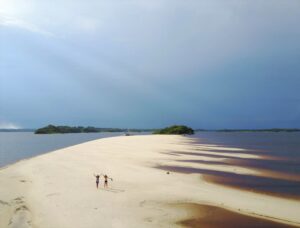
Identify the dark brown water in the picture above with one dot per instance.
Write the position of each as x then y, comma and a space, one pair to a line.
205, 216
279, 163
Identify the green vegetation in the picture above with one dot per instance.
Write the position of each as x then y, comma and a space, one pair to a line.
51, 129
175, 130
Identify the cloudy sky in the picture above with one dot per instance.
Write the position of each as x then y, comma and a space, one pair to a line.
118, 63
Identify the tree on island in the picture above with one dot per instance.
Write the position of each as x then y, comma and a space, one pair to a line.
52, 129
175, 130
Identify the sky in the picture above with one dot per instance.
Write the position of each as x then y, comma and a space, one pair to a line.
208, 64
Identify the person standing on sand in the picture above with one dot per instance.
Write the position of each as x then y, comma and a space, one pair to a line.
97, 179
106, 180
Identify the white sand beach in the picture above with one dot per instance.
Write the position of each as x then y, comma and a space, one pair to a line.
58, 190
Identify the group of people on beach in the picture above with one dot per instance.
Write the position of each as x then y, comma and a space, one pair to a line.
105, 179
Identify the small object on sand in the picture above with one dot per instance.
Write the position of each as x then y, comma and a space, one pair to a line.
168, 172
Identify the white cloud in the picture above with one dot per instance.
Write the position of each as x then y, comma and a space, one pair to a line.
15, 22
8, 125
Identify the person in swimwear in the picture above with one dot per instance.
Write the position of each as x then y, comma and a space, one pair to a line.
97, 179
106, 180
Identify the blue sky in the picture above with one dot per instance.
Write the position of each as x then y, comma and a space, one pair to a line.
205, 63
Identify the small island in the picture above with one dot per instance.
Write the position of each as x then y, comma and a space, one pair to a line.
52, 129
175, 130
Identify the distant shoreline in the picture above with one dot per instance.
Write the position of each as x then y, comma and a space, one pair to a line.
52, 129
17, 130
107, 130
254, 130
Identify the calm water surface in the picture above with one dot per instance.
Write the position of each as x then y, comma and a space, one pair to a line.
15, 146
281, 154
278, 163
284, 144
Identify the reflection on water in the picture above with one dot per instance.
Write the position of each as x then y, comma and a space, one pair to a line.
281, 144
276, 160
290, 189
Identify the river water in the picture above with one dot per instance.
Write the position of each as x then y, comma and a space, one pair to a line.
15, 146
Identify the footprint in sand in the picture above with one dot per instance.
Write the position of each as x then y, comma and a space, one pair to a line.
4, 203
148, 219
21, 208
142, 203
19, 200
52, 194
24, 181
21, 216
150, 204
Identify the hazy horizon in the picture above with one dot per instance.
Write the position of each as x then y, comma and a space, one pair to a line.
194, 128
208, 64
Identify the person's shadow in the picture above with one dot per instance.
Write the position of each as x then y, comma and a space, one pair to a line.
114, 190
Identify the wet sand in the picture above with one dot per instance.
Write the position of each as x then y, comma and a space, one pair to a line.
275, 187
214, 217
267, 174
